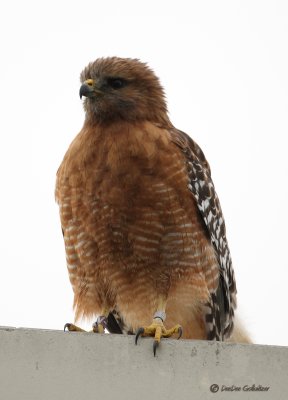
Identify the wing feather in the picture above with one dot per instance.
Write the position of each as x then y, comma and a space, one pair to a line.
200, 184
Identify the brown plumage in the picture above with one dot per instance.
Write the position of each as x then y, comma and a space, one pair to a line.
143, 228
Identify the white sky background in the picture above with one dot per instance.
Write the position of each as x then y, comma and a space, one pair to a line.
224, 67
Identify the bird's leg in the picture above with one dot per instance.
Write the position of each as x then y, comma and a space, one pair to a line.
98, 326
157, 328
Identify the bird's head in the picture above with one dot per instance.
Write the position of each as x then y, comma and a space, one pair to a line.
122, 89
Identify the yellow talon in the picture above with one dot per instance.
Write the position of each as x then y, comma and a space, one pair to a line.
98, 326
158, 330
73, 328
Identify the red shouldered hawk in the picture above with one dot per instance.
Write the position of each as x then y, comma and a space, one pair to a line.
143, 228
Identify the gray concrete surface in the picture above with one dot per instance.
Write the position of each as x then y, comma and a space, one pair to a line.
52, 365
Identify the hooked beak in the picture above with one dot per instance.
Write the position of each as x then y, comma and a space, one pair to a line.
88, 89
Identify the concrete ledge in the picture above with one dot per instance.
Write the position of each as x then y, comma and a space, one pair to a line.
52, 365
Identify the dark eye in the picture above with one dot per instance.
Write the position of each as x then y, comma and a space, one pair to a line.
116, 83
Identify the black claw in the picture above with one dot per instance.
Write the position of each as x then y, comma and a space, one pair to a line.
67, 326
139, 332
95, 327
180, 331
155, 345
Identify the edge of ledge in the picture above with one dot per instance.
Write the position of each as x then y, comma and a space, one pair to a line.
131, 337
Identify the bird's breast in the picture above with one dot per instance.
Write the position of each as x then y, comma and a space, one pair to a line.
129, 200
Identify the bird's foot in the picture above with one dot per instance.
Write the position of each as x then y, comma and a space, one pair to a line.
99, 326
73, 328
158, 330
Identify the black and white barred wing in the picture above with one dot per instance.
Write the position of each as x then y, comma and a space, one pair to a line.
200, 183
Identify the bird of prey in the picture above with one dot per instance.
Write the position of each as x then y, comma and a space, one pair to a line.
144, 233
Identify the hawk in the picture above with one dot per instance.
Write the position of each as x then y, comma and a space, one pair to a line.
144, 232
